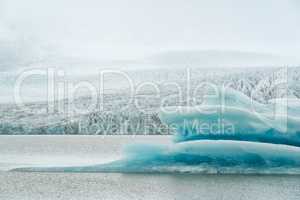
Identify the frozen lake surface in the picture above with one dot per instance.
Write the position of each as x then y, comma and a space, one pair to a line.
23, 151
49, 186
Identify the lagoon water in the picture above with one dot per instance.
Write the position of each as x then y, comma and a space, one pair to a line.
28, 151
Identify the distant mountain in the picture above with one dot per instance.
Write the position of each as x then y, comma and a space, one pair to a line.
12, 60
217, 58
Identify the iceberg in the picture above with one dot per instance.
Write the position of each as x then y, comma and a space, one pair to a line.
228, 133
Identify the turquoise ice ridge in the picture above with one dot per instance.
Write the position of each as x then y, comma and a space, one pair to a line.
231, 115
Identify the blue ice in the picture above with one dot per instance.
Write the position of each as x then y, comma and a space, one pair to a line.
231, 115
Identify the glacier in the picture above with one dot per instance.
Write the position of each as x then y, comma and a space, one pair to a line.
239, 135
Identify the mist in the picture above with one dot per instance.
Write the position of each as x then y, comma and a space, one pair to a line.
121, 33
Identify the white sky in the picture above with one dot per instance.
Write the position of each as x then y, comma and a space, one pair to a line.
128, 29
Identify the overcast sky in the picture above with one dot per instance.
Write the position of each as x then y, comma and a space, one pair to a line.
129, 29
